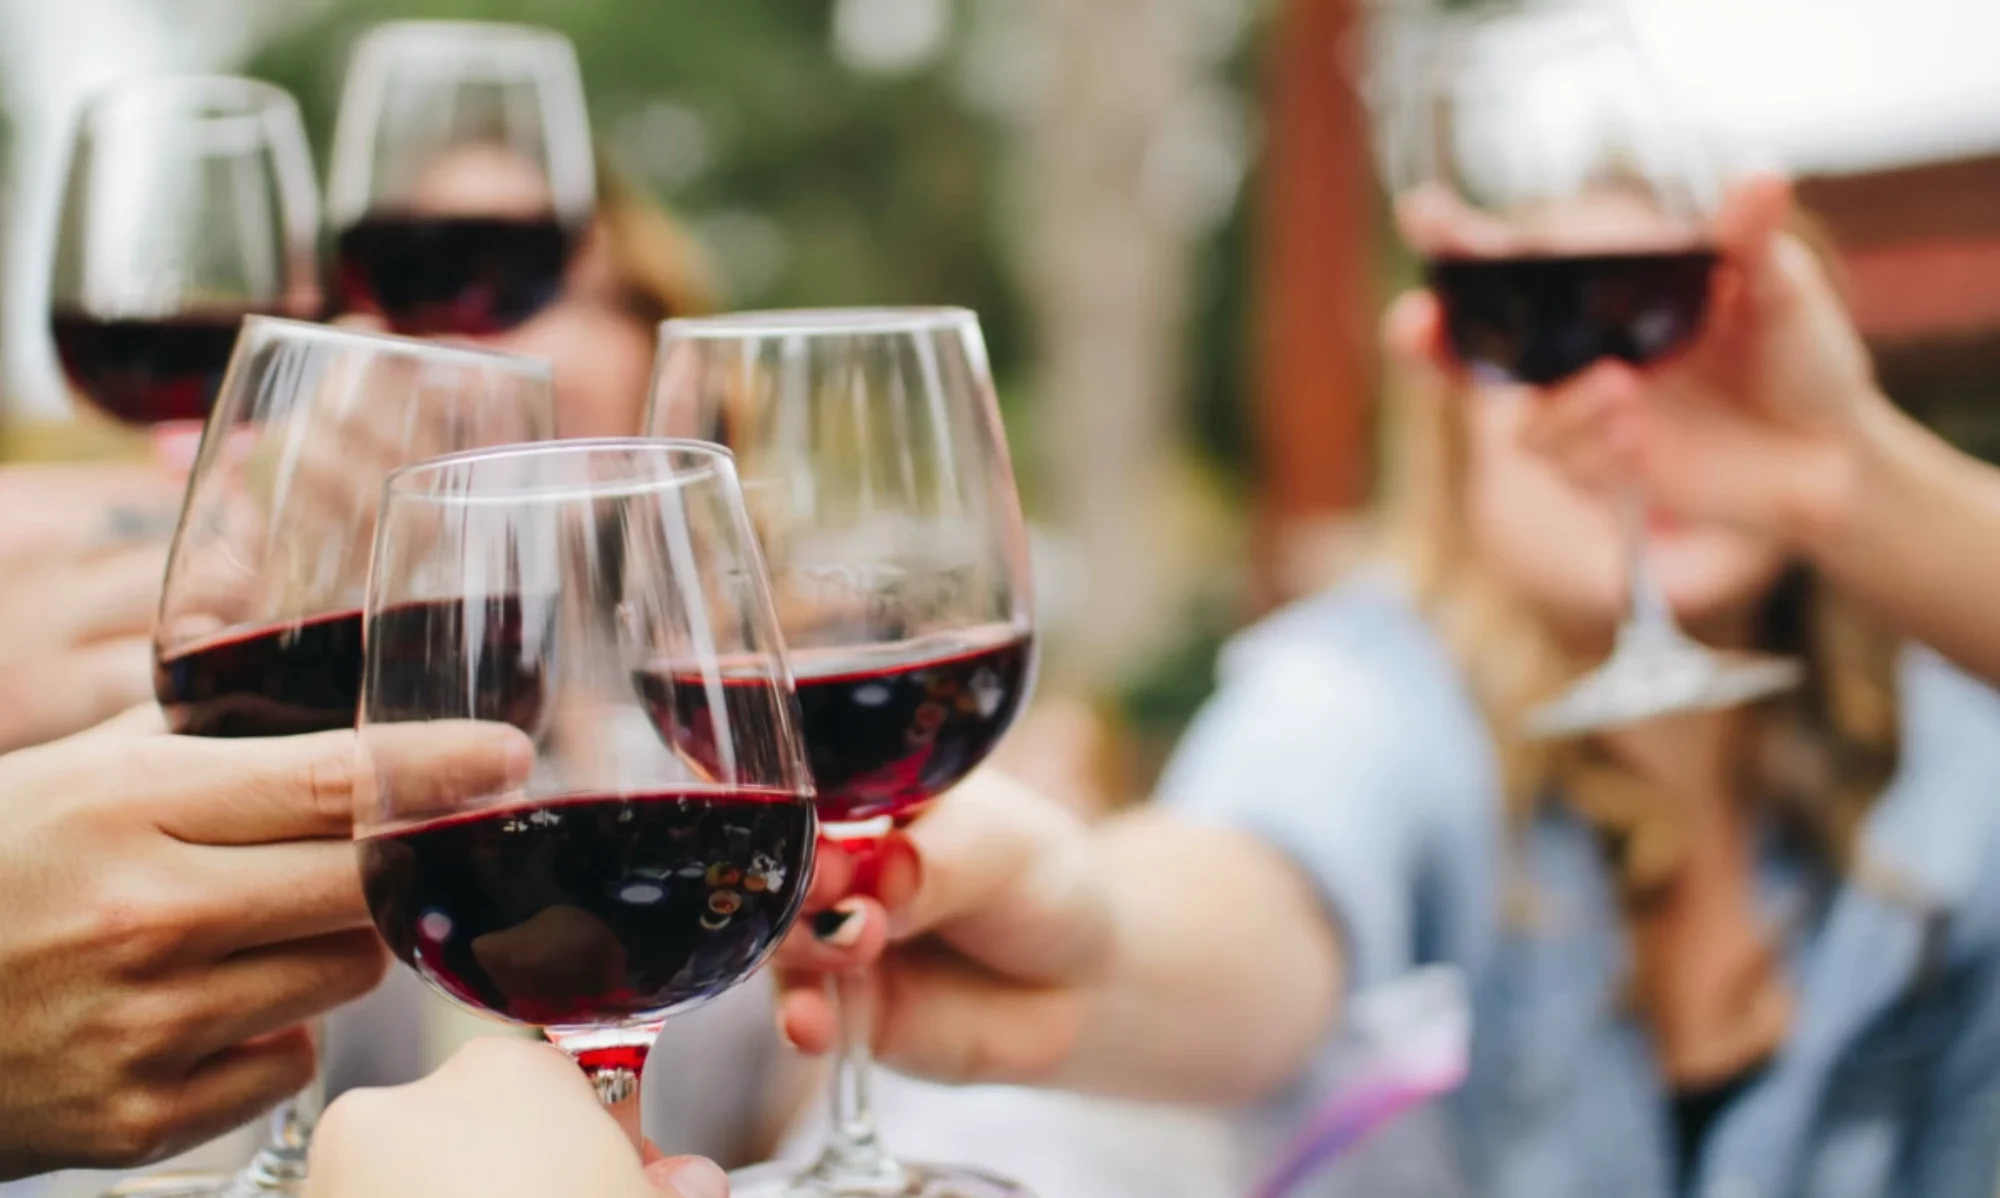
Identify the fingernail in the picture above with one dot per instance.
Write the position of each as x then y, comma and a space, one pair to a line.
696, 1177
841, 925
901, 874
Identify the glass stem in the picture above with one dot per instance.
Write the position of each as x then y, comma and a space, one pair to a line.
1649, 619
280, 1165
615, 1061
854, 1161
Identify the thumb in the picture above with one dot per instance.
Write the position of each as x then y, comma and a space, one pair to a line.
688, 1177
1747, 232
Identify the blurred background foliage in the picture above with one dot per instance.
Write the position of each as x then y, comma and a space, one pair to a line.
816, 183
819, 175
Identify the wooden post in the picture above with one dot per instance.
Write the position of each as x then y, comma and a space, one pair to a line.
1316, 309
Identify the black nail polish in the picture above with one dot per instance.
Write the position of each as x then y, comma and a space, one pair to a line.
829, 924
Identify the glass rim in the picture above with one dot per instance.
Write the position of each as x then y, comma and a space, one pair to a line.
521, 364
454, 34
818, 322
244, 95
403, 482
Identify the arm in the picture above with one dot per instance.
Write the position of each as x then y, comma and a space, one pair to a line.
1773, 425
1908, 530
1205, 921
1150, 957
1195, 951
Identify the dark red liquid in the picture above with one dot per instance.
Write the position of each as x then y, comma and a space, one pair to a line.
456, 274
886, 730
1541, 319
277, 681
593, 909
305, 676
147, 371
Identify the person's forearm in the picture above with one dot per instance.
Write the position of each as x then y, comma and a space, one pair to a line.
1225, 973
1912, 531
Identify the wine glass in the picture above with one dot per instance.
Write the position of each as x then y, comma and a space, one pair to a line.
1564, 211
462, 178
608, 599
260, 625
876, 470
190, 202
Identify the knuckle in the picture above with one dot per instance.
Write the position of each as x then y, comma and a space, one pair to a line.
359, 967
328, 782
152, 1022
140, 1125
137, 922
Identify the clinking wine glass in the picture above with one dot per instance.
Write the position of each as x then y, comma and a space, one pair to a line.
462, 177
607, 598
260, 624
1564, 212
190, 202
876, 470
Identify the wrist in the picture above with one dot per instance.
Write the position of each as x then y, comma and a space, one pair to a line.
1824, 492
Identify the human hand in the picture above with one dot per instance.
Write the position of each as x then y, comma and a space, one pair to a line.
177, 909
998, 924
503, 1117
82, 555
1760, 425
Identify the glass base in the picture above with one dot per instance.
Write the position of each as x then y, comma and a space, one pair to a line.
171, 1185
785, 1180
1647, 682
202, 1185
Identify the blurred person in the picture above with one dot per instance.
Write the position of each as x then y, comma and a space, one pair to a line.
1778, 429
503, 1118
633, 267
177, 909
1746, 952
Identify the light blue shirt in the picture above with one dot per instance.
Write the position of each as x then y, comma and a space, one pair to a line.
1343, 735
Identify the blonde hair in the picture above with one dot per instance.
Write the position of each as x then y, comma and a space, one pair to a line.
1818, 757
660, 269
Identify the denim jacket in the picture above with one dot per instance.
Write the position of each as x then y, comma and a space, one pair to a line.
1344, 736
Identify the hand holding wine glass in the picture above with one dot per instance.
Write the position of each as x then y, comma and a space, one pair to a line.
82, 555
992, 973
502, 1119
1568, 223
1758, 425
876, 469
203, 906
260, 623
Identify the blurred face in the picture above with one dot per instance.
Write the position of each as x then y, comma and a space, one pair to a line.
1561, 549
601, 353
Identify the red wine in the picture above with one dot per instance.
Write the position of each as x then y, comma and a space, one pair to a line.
305, 676
147, 371
887, 728
1539, 320
282, 680
593, 909
452, 274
